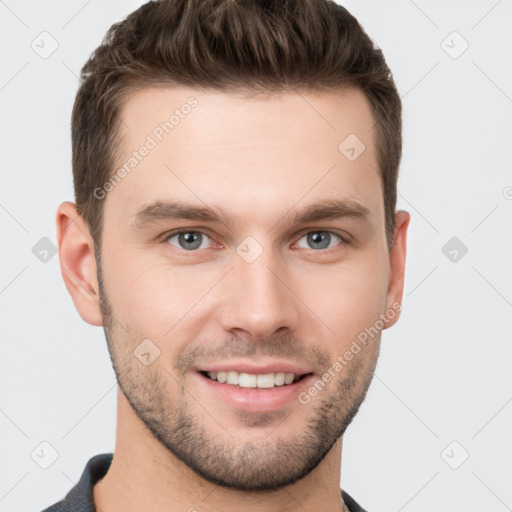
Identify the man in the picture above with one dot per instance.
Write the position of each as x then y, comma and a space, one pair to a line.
235, 167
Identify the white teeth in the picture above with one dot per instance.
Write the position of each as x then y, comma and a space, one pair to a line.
247, 380
266, 381
232, 378
288, 378
280, 379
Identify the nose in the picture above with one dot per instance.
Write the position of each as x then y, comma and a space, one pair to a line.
258, 298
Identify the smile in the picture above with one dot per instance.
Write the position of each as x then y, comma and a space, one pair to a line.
247, 380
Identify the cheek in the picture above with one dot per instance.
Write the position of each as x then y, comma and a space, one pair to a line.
350, 298
157, 299
154, 300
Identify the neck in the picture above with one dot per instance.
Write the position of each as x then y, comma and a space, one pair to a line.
144, 475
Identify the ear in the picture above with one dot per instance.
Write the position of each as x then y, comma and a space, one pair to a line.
77, 262
397, 266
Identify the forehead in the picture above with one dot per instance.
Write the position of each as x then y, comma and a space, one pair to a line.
197, 117
247, 153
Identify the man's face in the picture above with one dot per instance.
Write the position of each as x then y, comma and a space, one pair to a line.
253, 291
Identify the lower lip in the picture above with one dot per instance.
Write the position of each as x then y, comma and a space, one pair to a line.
257, 399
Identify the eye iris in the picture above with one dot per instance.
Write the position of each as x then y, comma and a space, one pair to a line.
190, 237
319, 236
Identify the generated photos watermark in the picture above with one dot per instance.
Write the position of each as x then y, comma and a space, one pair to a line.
343, 359
152, 140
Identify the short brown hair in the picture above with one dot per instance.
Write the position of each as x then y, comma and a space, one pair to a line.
229, 46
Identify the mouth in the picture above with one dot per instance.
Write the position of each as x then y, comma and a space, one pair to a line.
254, 392
261, 381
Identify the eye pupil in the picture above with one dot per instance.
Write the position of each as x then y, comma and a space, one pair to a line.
319, 236
192, 240
190, 237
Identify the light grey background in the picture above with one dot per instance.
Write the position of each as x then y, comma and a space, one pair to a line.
444, 374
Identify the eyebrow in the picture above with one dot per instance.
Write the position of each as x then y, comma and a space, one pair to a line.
160, 211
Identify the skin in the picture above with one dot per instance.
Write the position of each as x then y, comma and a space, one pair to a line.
256, 159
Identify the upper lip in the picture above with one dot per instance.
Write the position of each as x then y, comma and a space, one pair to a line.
256, 369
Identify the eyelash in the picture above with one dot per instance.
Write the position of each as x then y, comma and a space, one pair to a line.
167, 236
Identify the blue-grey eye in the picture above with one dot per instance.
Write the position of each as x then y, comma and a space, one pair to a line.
190, 240
320, 239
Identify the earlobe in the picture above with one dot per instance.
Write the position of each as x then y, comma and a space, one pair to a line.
78, 263
397, 266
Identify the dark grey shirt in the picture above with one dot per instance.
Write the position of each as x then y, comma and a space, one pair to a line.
80, 497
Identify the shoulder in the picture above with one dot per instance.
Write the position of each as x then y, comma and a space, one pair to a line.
351, 503
80, 497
